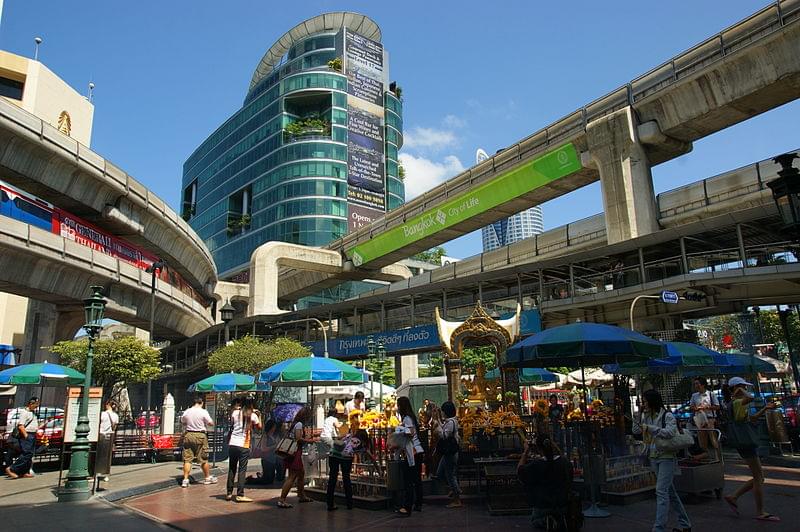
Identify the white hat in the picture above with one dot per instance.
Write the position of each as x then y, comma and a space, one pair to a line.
737, 381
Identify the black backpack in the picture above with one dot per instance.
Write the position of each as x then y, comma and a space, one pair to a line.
447, 446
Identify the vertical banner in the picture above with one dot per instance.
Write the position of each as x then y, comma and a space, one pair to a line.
366, 165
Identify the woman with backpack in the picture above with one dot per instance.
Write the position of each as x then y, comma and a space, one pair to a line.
742, 435
447, 445
341, 455
653, 423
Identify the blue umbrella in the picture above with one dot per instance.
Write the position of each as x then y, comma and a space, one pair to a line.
528, 376
583, 344
693, 360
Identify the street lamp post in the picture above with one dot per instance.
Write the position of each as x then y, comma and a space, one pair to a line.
371, 349
77, 486
381, 361
783, 316
154, 270
226, 314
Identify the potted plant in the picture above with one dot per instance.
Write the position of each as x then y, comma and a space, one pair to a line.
335, 64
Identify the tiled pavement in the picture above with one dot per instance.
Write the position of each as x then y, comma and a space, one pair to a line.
201, 508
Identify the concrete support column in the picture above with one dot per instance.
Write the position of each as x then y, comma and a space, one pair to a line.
452, 368
405, 367
628, 199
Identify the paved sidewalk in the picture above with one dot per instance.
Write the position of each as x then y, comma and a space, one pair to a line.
203, 508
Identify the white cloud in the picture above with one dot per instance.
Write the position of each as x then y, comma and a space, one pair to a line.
423, 174
453, 122
428, 138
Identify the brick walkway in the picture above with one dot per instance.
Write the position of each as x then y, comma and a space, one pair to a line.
201, 508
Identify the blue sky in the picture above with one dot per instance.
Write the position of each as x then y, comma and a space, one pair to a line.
473, 75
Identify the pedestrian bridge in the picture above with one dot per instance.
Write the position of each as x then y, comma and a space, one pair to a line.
38, 159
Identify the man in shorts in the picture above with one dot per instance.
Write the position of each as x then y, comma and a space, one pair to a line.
196, 421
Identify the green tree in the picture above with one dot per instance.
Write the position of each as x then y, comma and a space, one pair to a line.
434, 367
125, 360
432, 256
387, 372
250, 354
472, 356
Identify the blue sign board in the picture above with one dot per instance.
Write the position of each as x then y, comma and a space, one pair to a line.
420, 339
670, 297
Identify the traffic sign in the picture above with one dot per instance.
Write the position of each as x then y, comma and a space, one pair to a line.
668, 296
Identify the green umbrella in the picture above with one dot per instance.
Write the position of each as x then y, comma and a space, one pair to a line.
38, 373
528, 376
310, 371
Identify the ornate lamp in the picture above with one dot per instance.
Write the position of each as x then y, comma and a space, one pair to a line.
226, 314
786, 192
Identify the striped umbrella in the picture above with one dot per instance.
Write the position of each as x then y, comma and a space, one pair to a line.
528, 376
311, 371
225, 382
38, 373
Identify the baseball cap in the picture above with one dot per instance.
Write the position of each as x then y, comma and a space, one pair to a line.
737, 381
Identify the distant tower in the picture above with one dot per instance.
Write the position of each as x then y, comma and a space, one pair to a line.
509, 230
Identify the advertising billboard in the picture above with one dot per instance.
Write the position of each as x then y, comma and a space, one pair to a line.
521, 180
366, 165
358, 216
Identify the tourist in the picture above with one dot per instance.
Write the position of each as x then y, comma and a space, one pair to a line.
105, 442
341, 457
447, 447
330, 429
656, 422
356, 403
412, 474
548, 480
269, 460
196, 421
243, 418
705, 406
555, 414
433, 459
742, 435
294, 464
26, 426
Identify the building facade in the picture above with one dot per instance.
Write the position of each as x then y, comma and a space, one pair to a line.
312, 153
512, 229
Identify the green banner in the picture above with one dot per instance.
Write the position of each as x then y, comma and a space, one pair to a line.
530, 176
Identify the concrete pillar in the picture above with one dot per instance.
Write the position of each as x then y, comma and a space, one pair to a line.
628, 199
405, 367
168, 415
452, 368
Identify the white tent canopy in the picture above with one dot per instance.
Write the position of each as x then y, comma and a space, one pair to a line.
594, 377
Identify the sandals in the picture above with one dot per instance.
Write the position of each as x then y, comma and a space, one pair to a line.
768, 517
732, 504
282, 504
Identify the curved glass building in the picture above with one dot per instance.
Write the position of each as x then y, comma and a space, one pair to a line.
311, 154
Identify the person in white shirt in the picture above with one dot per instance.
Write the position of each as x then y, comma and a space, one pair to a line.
27, 425
447, 447
243, 418
196, 420
705, 405
330, 430
356, 403
105, 442
412, 470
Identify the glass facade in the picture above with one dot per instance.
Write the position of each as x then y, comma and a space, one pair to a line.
277, 169
520, 226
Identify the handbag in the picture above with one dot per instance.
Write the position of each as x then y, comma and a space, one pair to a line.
286, 448
447, 446
740, 434
682, 440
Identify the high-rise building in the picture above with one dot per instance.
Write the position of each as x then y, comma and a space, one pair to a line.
312, 153
512, 229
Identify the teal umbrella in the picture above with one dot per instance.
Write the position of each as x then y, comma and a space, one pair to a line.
38, 373
225, 382
528, 376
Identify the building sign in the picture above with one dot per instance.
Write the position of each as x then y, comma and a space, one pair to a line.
358, 216
419, 339
366, 164
414, 339
363, 66
73, 409
530, 176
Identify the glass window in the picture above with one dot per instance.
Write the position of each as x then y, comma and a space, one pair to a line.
11, 88
339, 99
